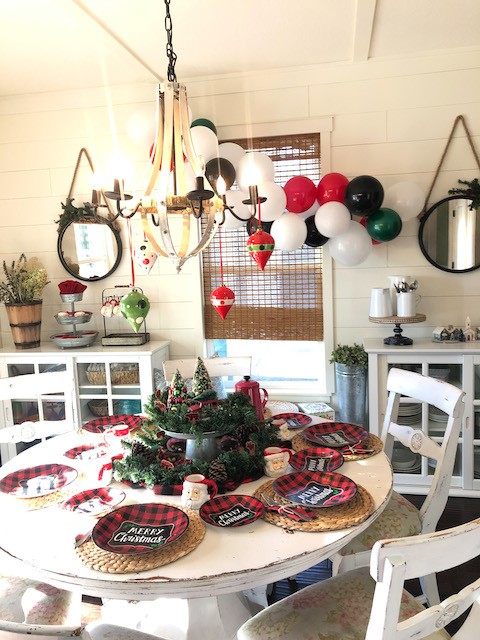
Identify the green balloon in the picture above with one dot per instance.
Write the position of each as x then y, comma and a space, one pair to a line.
203, 122
384, 224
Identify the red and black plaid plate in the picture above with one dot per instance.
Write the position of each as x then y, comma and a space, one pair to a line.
316, 459
87, 452
231, 510
315, 488
335, 434
100, 425
139, 528
292, 420
37, 481
95, 501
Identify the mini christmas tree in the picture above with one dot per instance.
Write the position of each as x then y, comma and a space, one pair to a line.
201, 380
178, 391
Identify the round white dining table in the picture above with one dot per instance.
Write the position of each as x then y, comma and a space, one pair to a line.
210, 580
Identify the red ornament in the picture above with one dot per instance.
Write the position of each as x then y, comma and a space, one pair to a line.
260, 246
222, 299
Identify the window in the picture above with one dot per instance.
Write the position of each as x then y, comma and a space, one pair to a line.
277, 316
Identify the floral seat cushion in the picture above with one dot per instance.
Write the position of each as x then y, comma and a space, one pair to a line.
33, 602
399, 518
334, 609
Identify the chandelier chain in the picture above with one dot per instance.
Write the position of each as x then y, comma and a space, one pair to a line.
172, 56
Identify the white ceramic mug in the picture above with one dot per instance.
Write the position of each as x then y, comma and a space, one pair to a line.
113, 436
407, 304
276, 461
380, 303
197, 489
395, 280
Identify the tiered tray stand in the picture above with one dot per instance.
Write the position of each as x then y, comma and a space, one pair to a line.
74, 338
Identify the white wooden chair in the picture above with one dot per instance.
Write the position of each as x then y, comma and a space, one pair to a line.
353, 606
216, 367
401, 517
34, 386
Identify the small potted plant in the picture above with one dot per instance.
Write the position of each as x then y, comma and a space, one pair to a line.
351, 363
21, 291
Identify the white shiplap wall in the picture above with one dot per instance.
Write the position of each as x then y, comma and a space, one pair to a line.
390, 120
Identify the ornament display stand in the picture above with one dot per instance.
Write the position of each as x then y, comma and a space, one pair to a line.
121, 339
399, 340
74, 338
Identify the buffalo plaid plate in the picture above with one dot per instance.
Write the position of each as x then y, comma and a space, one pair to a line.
139, 528
231, 510
87, 452
316, 459
95, 501
315, 488
292, 420
37, 481
100, 425
335, 434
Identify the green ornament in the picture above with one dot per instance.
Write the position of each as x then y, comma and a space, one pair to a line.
134, 307
203, 122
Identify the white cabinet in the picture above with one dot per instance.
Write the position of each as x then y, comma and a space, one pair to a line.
458, 364
108, 381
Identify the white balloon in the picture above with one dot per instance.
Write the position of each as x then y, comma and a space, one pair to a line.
332, 219
352, 247
232, 152
289, 231
406, 198
253, 169
205, 142
140, 125
309, 212
275, 203
234, 200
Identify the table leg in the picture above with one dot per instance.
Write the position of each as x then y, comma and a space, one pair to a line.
178, 619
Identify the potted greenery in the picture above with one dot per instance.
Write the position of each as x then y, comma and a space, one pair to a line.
21, 291
471, 190
351, 363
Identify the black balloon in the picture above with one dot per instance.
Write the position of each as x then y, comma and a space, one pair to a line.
220, 167
363, 195
252, 225
314, 237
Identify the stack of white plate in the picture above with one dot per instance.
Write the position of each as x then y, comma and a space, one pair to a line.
409, 413
442, 373
405, 461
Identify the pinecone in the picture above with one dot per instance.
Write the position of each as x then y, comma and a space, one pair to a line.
242, 433
141, 449
217, 472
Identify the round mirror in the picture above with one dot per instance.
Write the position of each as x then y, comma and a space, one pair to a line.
449, 235
89, 250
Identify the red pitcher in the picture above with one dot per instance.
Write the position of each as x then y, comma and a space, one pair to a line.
251, 388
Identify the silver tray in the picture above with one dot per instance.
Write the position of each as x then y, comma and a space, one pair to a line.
73, 319
71, 297
72, 340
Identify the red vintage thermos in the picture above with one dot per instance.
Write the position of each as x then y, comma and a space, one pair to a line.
251, 388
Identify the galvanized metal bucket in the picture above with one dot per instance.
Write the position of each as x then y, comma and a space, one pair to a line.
351, 382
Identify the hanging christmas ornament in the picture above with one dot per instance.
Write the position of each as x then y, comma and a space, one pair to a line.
145, 256
222, 299
260, 246
134, 307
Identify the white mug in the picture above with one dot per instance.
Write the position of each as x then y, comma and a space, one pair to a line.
407, 304
380, 303
114, 435
197, 489
276, 461
395, 280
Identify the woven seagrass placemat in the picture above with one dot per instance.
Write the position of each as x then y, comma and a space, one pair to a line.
40, 502
100, 560
371, 442
353, 512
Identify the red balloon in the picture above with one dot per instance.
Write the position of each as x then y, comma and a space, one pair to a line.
363, 222
301, 194
332, 188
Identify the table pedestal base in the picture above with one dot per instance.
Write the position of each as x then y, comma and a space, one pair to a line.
398, 340
178, 619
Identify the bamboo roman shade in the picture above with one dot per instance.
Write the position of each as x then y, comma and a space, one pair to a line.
284, 302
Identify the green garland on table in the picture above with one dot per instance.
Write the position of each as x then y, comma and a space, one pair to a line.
150, 461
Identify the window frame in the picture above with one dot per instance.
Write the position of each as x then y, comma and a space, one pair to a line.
322, 126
